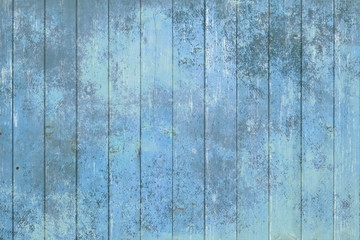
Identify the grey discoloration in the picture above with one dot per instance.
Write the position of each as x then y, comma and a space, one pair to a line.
93, 212
252, 75
60, 119
285, 92
347, 123
317, 108
28, 119
5, 119
182, 119
156, 119
220, 131
124, 155
188, 107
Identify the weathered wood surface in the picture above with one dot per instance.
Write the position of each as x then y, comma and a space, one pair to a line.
6, 123
124, 119
347, 120
182, 119
220, 120
28, 120
156, 119
60, 119
252, 119
92, 120
188, 119
317, 119
285, 119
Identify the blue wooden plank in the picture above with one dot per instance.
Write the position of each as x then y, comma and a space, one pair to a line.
220, 131
156, 119
188, 149
60, 118
252, 74
28, 119
285, 77
317, 120
347, 121
6, 88
92, 179
124, 119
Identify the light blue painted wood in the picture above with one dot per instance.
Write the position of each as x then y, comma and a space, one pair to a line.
252, 75
60, 119
6, 17
347, 121
285, 77
28, 119
317, 120
124, 119
92, 179
188, 149
156, 119
199, 120
220, 132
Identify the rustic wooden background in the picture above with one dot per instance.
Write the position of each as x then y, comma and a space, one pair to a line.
180, 119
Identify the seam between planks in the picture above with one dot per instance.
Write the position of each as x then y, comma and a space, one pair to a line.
301, 119
44, 116
333, 133
268, 123
204, 96
140, 123
236, 119
76, 120
109, 116
172, 119
12, 119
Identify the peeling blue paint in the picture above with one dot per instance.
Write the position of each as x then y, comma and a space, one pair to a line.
183, 119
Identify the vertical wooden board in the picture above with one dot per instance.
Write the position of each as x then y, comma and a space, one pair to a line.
60, 118
156, 119
347, 121
220, 131
28, 119
6, 20
188, 49
92, 179
317, 120
285, 77
124, 119
252, 75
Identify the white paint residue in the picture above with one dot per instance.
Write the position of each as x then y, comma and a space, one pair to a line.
15, 120
94, 168
214, 197
3, 76
191, 103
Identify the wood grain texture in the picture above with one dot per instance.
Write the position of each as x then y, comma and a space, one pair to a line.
317, 119
347, 123
124, 119
60, 119
156, 119
6, 88
28, 119
285, 78
188, 122
181, 119
93, 89
220, 125
252, 119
